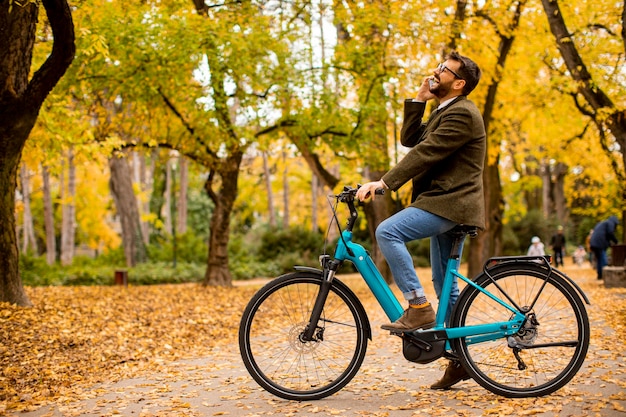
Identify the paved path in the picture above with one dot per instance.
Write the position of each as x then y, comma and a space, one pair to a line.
386, 385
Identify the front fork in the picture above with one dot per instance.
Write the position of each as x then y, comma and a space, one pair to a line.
330, 268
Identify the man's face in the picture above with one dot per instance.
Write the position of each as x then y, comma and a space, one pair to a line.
445, 75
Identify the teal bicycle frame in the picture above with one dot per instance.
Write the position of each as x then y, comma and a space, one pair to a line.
355, 253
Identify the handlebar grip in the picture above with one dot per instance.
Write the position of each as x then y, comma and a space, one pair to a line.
379, 191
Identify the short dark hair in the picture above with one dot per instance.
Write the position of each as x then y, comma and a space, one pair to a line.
469, 71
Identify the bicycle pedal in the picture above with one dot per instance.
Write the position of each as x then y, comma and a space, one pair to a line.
402, 333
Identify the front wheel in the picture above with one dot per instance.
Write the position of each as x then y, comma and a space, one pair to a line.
546, 352
271, 344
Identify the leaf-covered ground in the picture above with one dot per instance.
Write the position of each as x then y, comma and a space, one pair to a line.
115, 349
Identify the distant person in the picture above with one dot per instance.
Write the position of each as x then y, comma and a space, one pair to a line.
579, 255
602, 237
536, 247
558, 246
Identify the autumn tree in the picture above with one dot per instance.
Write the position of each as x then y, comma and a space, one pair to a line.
230, 59
21, 98
587, 92
189, 82
242, 78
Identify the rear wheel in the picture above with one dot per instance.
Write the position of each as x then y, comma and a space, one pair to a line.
271, 345
549, 349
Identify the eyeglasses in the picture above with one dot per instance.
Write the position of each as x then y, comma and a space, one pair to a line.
442, 67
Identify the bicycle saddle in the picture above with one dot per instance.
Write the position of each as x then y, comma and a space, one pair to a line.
465, 229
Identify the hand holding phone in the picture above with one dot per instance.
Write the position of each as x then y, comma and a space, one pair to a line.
424, 93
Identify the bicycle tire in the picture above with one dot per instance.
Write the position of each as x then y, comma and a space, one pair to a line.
275, 356
560, 315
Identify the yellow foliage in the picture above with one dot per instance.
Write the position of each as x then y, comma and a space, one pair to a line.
128, 52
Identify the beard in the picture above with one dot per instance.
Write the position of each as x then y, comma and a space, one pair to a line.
440, 90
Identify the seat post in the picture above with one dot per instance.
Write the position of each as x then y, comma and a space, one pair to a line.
459, 232
459, 237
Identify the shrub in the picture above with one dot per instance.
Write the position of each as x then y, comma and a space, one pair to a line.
36, 272
289, 241
165, 273
266, 252
190, 248
251, 268
258, 253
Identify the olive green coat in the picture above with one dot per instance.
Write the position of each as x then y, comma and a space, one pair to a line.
445, 162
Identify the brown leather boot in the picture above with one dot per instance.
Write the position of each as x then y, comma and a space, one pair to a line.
413, 319
454, 373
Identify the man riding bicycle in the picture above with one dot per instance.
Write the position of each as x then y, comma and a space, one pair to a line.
445, 164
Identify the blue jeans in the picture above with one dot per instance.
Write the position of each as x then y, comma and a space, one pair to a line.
412, 224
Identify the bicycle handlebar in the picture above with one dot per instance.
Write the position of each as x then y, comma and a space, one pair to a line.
349, 193
347, 196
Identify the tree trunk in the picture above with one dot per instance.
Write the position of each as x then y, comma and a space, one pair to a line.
159, 186
532, 198
546, 189
28, 228
372, 132
11, 289
227, 166
48, 217
218, 272
595, 97
268, 188
68, 218
558, 193
489, 242
168, 212
314, 204
126, 204
141, 178
181, 202
20, 102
